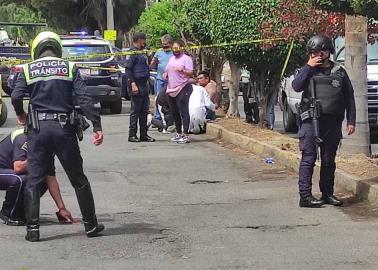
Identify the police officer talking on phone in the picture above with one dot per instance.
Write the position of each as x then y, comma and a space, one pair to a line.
334, 95
52, 83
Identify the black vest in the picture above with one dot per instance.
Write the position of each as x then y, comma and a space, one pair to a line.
141, 70
329, 91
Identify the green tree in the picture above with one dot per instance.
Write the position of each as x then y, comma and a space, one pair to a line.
159, 19
83, 14
241, 20
13, 13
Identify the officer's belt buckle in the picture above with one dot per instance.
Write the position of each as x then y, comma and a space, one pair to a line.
62, 118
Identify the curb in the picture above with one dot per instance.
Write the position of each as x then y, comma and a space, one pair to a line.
366, 189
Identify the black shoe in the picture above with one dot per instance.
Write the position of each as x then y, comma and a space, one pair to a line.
332, 200
147, 139
310, 202
93, 230
10, 221
32, 233
134, 139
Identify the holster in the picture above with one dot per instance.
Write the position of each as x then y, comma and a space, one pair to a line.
32, 119
80, 124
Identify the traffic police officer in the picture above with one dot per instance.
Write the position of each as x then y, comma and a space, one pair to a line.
334, 92
138, 73
52, 83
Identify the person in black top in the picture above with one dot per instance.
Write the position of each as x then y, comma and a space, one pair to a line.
334, 92
13, 172
52, 84
138, 73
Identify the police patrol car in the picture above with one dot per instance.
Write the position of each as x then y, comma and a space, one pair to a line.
104, 83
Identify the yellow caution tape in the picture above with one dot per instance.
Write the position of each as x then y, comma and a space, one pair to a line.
128, 53
287, 59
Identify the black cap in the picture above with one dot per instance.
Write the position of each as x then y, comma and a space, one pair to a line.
320, 42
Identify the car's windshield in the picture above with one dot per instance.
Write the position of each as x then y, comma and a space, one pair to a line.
372, 51
81, 50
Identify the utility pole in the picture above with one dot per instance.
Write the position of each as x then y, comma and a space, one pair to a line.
110, 16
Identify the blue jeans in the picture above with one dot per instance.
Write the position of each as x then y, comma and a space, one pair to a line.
159, 85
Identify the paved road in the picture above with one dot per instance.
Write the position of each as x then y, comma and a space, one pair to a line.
195, 206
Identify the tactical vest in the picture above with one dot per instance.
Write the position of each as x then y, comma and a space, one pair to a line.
141, 70
48, 68
329, 92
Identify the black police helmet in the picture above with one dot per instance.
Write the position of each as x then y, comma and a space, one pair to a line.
320, 42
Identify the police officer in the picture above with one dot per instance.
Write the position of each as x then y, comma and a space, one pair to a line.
13, 172
138, 73
334, 92
52, 83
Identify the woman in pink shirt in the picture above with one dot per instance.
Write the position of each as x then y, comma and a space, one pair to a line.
179, 70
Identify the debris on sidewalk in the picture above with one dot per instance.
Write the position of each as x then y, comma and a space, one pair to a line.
358, 164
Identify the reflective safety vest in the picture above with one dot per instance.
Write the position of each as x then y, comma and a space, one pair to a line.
48, 68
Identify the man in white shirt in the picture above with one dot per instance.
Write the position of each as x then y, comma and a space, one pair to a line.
198, 103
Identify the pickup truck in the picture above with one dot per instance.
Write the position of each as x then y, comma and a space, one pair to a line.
288, 98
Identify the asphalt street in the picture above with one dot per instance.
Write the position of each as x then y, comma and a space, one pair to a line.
195, 206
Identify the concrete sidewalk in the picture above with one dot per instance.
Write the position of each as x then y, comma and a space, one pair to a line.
362, 188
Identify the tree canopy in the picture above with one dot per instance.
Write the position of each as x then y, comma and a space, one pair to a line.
73, 15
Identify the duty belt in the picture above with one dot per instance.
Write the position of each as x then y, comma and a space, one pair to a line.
61, 117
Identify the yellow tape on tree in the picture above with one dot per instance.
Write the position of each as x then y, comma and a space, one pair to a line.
287, 60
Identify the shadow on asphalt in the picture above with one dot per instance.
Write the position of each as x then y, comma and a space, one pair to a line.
131, 228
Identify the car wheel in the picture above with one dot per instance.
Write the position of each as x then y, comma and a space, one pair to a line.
116, 106
3, 114
289, 119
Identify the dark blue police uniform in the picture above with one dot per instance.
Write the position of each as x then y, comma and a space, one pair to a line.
335, 93
14, 148
138, 71
52, 84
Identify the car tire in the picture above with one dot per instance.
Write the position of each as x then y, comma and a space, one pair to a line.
289, 118
116, 106
3, 114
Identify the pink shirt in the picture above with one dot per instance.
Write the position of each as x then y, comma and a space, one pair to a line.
177, 80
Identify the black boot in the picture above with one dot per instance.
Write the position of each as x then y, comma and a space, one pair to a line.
32, 233
146, 138
332, 200
87, 208
32, 199
134, 139
93, 229
310, 202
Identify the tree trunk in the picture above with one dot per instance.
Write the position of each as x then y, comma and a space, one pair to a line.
233, 110
356, 66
